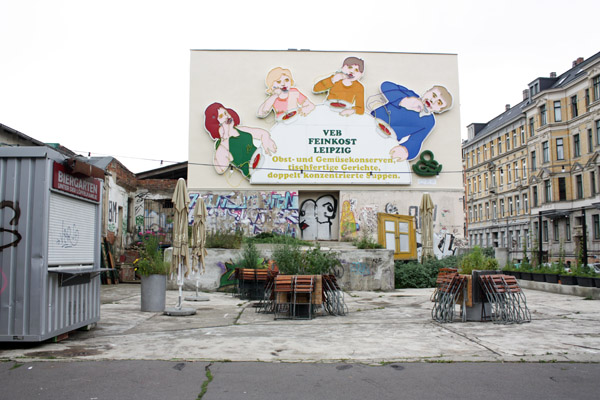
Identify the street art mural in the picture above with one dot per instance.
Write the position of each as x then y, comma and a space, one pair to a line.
5, 232
409, 117
341, 140
250, 212
318, 218
286, 101
348, 223
234, 144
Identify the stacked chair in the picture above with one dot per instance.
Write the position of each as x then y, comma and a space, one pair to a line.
507, 300
333, 296
450, 287
251, 282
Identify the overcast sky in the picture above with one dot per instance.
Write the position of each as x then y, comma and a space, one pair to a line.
111, 77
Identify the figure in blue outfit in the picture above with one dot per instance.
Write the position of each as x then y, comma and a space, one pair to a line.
410, 116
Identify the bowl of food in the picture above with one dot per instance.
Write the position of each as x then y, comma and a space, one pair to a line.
338, 105
289, 116
384, 129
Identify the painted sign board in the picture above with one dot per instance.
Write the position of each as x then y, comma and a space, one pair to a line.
88, 188
259, 118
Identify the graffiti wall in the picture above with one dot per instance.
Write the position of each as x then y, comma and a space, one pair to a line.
359, 216
249, 211
319, 216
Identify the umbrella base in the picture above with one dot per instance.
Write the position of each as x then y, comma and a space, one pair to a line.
196, 298
179, 312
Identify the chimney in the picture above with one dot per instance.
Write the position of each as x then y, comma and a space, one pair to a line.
552, 74
507, 107
525, 94
578, 61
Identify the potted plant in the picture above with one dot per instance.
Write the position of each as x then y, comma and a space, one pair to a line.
585, 276
511, 269
153, 270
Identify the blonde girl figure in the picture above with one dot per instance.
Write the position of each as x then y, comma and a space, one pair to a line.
284, 99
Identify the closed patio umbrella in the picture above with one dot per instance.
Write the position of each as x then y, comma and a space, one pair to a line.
426, 226
181, 202
198, 245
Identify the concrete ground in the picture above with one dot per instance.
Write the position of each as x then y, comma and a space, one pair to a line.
380, 328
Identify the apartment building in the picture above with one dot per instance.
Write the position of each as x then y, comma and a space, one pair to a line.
532, 172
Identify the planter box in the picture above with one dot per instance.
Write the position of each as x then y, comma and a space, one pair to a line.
551, 278
567, 280
526, 276
538, 277
516, 274
597, 282
585, 281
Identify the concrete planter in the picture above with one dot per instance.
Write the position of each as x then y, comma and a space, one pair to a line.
551, 278
585, 281
526, 276
538, 277
154, 292
567, 280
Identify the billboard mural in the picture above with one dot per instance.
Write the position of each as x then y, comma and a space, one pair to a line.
346, 139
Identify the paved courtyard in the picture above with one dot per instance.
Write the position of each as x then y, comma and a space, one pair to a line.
380, 328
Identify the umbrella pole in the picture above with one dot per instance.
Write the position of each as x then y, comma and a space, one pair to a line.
180, 284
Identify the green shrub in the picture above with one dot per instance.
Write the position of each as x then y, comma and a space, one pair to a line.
151, 261
274, 238
367, 242
415, 275
251, 257
476, 260
291, 260
224, 240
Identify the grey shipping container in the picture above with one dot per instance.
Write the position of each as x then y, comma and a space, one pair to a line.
49, 245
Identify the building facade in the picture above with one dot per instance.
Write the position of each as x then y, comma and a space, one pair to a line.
323, 145
532, 172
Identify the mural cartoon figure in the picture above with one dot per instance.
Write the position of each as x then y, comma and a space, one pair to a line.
235, 143
409, 116
346, 93
348, 222
284, 99
317, 218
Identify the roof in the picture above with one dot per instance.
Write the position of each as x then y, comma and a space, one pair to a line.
174, 171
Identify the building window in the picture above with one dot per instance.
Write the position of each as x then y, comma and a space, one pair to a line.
596, 221
494, 210
493, 179
555, 232
590, 141
593, 183
524, 163
525, 203
484, 152
598, 132
535, 196
587, 97
469, 182
531, 127
576, 145
499, 145
501, 208
501, 176
560, 153
487, 210
596, 85
562, 189
574, 110
545, 152
478, 155
479, 183
579, 185
545, 231
510, 206
517, 205
508, 173
485, 177
557, 112
543, 115
522, 131
508, 142
470, 214
516, 165
473, 158
480, 213
533, 161
568, 228
514, 139
547, 191
492, 149
536, 230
